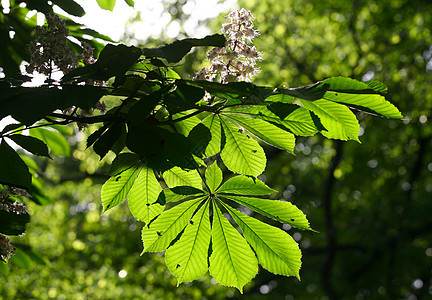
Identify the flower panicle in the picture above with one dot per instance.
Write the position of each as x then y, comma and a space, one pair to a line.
6, 249
237, 60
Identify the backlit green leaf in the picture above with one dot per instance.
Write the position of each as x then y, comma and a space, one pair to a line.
244, 185
213, 123
177, 177
277, 252
116, 189
282, 211
106, 4
242, 154
269, 133
213, 176
338, 119
232, 262
143, 195
158, 235
299, 121
187, 259
361, 94
179, 193
56, 142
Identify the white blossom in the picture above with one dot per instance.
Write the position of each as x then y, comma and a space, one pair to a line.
14, 207
6, 249
236, 61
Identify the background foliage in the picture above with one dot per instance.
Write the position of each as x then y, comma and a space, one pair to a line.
371, 202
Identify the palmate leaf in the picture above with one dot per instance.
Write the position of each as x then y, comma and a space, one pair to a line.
232, 262
55, 141
178, 177
243, 185
184, 193
267, 132
299, 121
277, 251
284, 212
361, 94
337, 119
143, 195
213, 123
158, 235
115, 190
187, 259
13, 170
241, 154
213, 176
31, 144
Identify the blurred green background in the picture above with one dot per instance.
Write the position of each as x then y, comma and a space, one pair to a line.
370, 202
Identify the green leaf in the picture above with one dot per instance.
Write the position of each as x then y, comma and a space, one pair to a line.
281, 211
232, 262
116, 189
13, 171
31, 144
141, 110
131, 3
360, 94
338, 119
158, 235
187, 258
95, 135
12, 223
122, 162
299, 121
213, 176
214, 146
185, 126
143, 195
176, 51
242, 154
56, 142
199, 138
108, 139
83, 96
22, 260
167, 149
277, 252
4, 268
184, 193
71, 7
310, 92
106, 4
11, 127
269, 133
183, 98
29, 105
114, 60
178, 177
244, 185
235, 92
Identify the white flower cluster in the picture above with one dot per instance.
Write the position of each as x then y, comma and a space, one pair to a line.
50, 49
13, 190
14, 207
237, 60
6, 249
